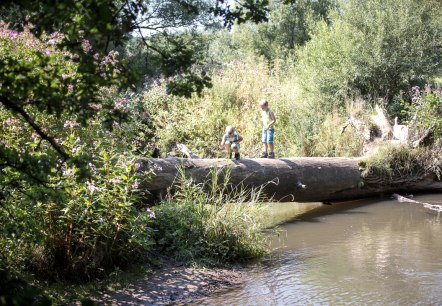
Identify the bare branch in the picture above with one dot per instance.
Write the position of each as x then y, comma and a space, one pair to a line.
17, 109
142, 36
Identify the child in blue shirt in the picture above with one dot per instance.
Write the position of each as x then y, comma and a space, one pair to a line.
230, 142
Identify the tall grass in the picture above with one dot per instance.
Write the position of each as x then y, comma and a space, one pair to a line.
199, 122
211, 223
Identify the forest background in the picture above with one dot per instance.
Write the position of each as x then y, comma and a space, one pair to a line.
88, 87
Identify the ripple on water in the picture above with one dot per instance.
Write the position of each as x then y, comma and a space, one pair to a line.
361, 253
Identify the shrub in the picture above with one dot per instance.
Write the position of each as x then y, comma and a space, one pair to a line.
332, 143
425, 110
372, 47
395, 164
77, 218
211, 224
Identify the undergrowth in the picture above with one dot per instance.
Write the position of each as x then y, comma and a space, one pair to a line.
396, 164
211, 223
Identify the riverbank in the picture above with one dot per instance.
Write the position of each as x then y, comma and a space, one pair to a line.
173, 285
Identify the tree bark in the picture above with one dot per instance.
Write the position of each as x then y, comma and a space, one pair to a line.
302, 179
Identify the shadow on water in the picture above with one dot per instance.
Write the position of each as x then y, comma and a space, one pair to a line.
375, 251
347, 208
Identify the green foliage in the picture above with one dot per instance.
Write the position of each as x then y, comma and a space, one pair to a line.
199, 122
323, 68
399, 165
75, 225
211, 223
329, 141
395, 164
16, 292
425, 111
41, 82
245, 10
288, 27
109, 23
372, 47
70, 207
37, 74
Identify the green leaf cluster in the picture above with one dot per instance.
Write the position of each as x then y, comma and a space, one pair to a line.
373, 48
211, 223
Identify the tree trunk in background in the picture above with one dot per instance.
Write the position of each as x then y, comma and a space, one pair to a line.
303, 179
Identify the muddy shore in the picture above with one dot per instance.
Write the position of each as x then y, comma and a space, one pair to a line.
173, 286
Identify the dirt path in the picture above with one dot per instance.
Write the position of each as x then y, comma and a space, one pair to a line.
173, 286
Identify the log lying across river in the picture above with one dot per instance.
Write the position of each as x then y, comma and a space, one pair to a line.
301, 179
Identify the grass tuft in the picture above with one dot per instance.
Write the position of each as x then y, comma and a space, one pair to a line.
212, 223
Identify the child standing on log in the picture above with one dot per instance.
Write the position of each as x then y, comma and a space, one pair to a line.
268, 131
230, 142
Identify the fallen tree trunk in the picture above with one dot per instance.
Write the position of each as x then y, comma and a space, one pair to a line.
303, 179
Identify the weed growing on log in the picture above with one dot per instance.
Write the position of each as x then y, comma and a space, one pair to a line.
400, 164
211, 223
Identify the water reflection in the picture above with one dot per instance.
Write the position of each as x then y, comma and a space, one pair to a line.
364, 252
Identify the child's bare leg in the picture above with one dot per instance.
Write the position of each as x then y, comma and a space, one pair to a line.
264, 152
264, 146
235, 150
227, 148
271, 153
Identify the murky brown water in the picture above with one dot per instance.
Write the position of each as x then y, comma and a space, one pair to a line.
365, 252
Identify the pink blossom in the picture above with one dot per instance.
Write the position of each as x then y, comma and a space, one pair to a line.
70, 124
10, 121
95, 106
121, 103
75, 150
86, 45
115, 180
68, 172
34, 136
151, 213
135, 185
93, 168
92, 188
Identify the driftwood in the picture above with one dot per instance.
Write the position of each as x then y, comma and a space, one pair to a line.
400, 132
185, 150
423, 137
303, 179
359, 126
435, 207
382, 121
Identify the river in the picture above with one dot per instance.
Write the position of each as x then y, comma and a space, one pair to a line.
367, 252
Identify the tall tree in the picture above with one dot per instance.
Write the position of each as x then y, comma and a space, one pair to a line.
86, 30
288, 27
374, 48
